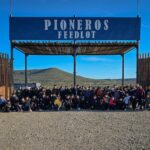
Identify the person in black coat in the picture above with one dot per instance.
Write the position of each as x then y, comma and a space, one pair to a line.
94, 103
133, 102
15, 103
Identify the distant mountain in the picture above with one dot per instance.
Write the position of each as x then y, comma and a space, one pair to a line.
51, 76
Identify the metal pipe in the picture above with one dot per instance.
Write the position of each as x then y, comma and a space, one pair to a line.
74, 56
26, 76
122, 70
12, 64
137, 63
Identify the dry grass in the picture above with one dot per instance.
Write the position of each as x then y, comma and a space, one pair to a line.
49, 77
75, 131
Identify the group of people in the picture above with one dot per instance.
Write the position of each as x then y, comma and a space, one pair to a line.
78, 98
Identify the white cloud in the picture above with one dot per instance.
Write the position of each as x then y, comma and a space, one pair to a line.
95, 59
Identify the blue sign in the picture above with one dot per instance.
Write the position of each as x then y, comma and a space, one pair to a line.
70, 28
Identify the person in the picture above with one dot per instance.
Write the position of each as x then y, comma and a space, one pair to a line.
112, 103
87, 98
147, 92
74, 101
120, 104
67, 103
46, 102
105, 102
7, 106
133, 102
53, 98
81, 97
148, 101
94, 103
26, 104
34, 103
126, 101
55, 90
140, 96
77, 97
117, 94
15, 103
3, 102
57, 103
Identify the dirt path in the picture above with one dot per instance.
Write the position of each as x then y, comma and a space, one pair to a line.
75, 131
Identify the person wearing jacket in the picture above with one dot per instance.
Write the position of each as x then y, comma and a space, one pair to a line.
57, 103
133, 102
148, 102
112, 103
94, 103
105, 102
126, 101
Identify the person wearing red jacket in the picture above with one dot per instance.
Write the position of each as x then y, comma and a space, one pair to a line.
112, 103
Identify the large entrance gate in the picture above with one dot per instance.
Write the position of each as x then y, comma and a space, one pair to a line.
30, 48
107, 36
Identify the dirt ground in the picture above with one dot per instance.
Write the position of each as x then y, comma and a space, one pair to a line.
84, 130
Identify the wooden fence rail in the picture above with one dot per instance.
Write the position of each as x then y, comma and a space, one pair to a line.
144, 70
5, 75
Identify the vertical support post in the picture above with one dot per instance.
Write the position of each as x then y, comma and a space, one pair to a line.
26, 77
137, 63
122, 70
11, 77
6, 76
74, 73
12, 64
148, 61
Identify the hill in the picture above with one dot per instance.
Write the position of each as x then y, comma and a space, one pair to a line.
51, 76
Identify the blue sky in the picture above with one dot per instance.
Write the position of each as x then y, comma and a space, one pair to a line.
99, 67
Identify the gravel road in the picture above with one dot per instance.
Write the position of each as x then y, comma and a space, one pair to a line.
83, 130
